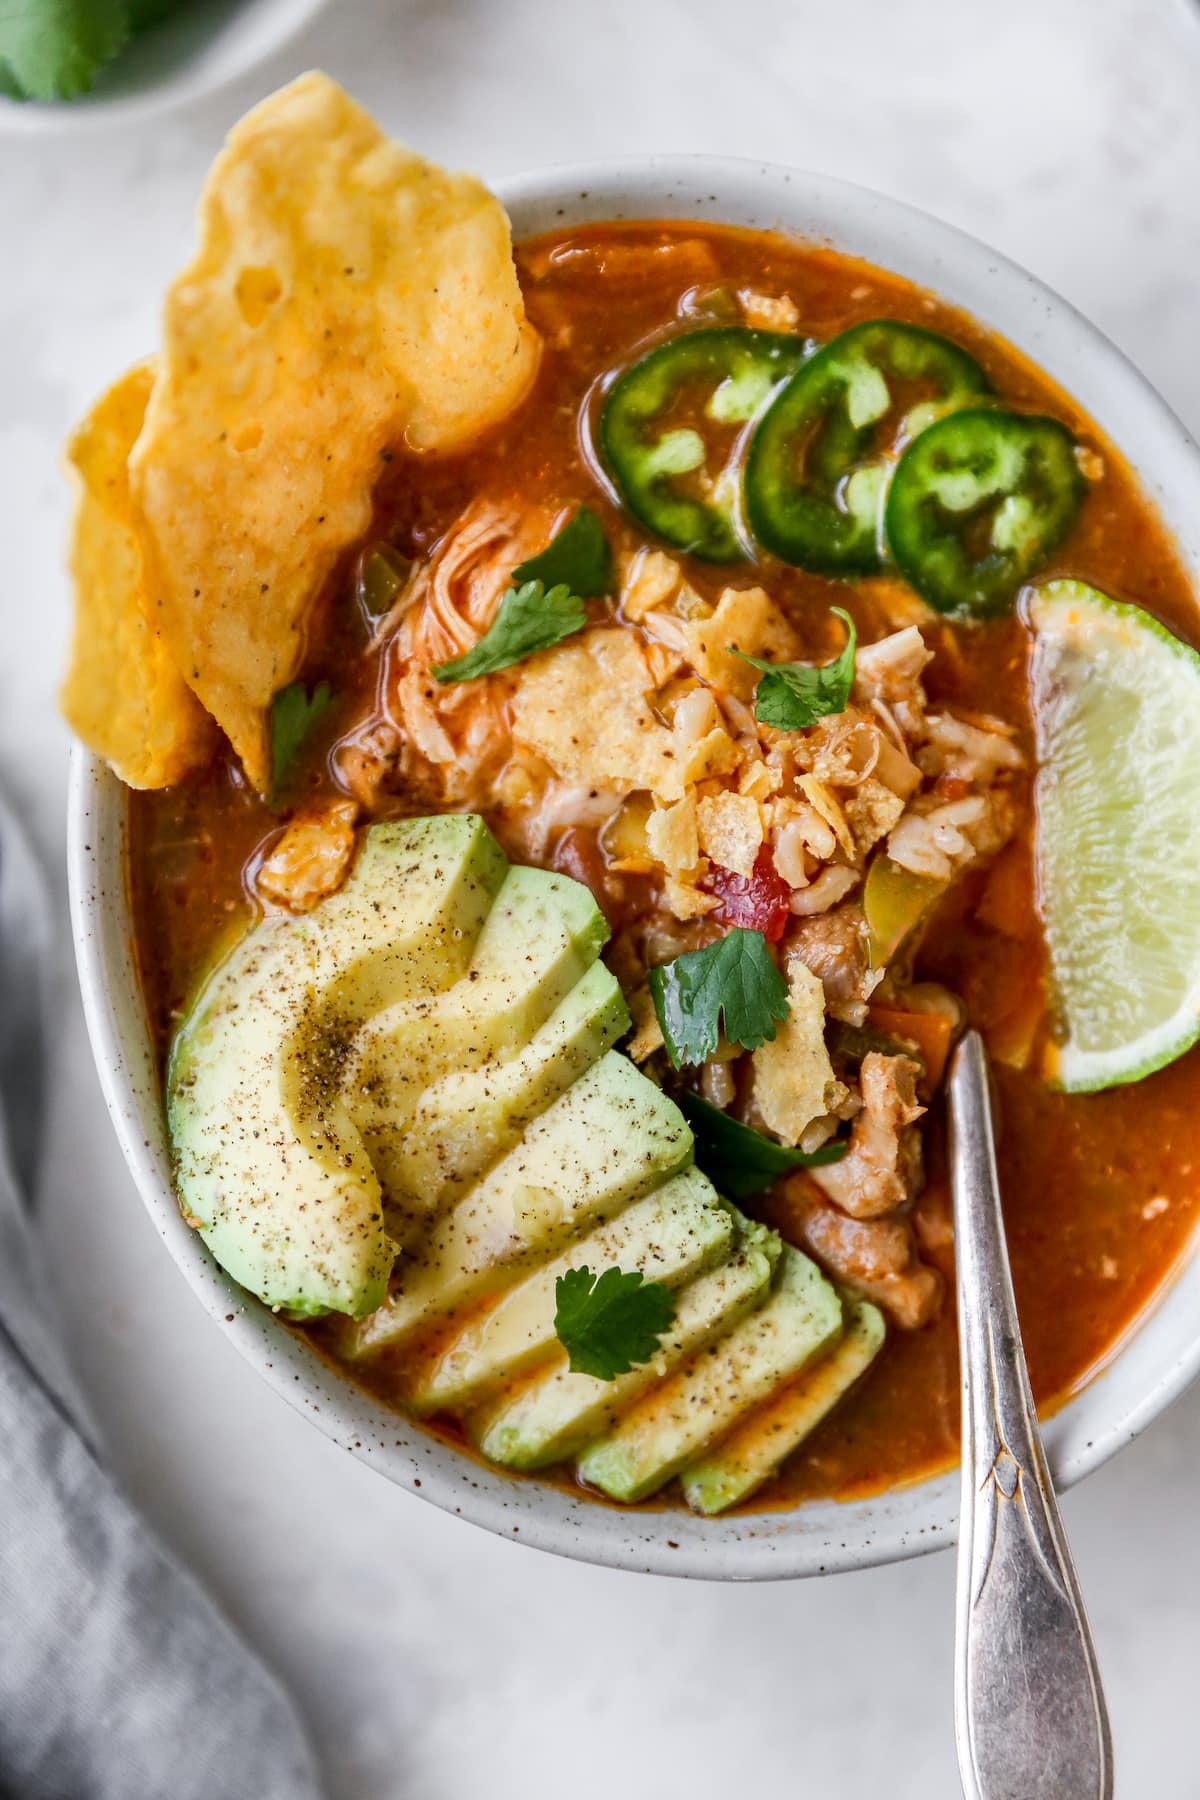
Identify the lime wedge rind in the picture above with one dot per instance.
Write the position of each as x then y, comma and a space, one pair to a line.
1116, 703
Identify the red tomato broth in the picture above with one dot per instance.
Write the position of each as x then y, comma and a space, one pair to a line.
1083, 1177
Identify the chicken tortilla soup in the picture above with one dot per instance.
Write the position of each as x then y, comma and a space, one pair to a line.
600, 719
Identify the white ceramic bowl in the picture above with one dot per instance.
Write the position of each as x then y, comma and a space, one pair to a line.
196, 51
1153, 1366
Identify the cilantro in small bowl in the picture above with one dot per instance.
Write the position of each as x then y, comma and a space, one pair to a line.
54, 49
110, 56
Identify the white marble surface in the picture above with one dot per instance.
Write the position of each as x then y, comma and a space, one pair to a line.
431, 1660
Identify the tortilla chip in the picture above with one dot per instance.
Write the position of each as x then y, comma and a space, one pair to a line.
671, 835
685, 900
650, 580
582, 706
715, 754
794, 1082
825, 802
746, 619
871, 810
647, 1032
760, 780
123, 695
346, 297
731, 830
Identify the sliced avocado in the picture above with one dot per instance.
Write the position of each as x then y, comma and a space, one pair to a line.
266, 1157
754, 1450
611, 1137
552, 1415
674, 1233
679, 1419
541, 937
468, 1120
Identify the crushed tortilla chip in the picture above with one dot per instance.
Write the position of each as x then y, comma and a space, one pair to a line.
346, 297
672, 836
731, 830
746, 619
824, 801
662, 662
583, 708
647, 1032
715, 754
871, 810
685, 900
760, 780
794, 1082
123, 695
651, 579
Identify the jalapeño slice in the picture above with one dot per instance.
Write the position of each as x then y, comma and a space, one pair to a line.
669, 424
819, 458
977, 504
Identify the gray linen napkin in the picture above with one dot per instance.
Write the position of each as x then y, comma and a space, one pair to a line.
119, 1678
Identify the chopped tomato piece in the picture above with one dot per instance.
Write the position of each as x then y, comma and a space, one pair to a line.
760, 903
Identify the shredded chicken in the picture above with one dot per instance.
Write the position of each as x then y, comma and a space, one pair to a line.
888, 674
311, 857
834, 947
957, 750
447, 742
939, 838
631, 756
878, 1257
882, 1168
367, 760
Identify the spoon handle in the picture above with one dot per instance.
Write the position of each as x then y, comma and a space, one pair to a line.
1029, 1709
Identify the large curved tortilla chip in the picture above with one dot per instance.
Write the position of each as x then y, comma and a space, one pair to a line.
123, 694
346, 297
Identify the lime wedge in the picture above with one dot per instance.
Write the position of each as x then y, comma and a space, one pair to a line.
1116, 707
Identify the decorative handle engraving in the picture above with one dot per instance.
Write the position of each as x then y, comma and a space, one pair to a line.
1029, 1709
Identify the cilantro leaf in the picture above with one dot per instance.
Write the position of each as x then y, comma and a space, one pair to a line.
529, 619
739, 1160
54, 49
577, 557
792, 695
609, 1322
293, 714
734, 977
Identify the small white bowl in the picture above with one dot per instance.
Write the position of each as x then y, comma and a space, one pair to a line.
201, 48
1153, 1366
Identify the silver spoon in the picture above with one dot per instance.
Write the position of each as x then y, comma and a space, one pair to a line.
1029, 1709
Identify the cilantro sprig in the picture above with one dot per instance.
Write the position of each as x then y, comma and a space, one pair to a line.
610, 1322
529, 619
793, 695
294, 712
734, 979
545, 602
739, 1160
55, 49
577, 557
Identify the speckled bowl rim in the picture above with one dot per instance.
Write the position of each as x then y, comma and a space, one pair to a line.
1155, 1362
